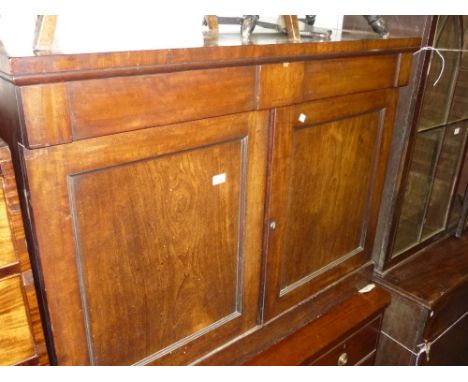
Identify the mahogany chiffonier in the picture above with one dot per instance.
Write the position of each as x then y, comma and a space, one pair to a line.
199, 205
21, 335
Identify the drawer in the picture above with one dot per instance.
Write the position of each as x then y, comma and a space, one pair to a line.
340, 76
451, 347
351, 327
295, 82
446, 311
64, 112
356, 349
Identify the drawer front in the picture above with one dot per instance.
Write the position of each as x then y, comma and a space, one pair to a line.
16, 341
451, 348
341, 76
287, 83
60, 113
451, 307
356, 349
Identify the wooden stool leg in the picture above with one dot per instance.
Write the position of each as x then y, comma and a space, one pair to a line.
292, 26
212, 22
45, 32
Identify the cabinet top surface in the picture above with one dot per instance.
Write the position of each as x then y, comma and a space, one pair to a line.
213, 51
433, 273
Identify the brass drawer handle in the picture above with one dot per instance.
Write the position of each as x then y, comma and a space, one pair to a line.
343, 359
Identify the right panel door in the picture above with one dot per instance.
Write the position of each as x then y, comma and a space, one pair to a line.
328, 165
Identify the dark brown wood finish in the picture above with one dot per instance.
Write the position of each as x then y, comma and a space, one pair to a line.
267, 334
294, 82
408, 105
451, 349
327, 174
357, 348
446, 275
433, 106
142, 228
351, 327
64, 112
145, 101
407, 102
156, 163
216, 51
430, 294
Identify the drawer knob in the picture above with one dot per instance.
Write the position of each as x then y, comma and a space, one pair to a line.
343, 359
273, 225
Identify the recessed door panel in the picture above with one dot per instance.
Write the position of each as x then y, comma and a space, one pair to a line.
331, 167
328, 163
157, 243
152, 253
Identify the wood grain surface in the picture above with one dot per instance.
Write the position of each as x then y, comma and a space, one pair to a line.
350, 325
145, 186
7, 251
326, 178
21, 333
214, 51
156, 254
16, 340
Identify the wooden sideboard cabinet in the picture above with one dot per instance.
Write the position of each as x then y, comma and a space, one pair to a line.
21, 335
195, 206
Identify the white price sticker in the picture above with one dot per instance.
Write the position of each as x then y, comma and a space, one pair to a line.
219, 179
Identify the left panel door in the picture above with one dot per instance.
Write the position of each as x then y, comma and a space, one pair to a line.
150, 241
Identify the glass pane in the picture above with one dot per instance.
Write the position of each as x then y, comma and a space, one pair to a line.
417, 189
444, 179
437, 98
